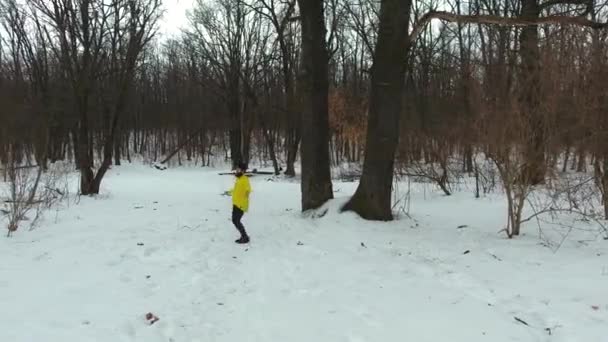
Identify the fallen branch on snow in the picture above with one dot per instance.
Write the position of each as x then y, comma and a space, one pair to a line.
521, 321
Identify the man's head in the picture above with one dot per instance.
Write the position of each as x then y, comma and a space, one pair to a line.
240, 169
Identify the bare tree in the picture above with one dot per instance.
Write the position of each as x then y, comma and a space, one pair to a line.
372, 200
314, 87
225, 32
29, 191
84, 30
280, 15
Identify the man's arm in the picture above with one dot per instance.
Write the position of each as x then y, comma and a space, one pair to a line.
228, 192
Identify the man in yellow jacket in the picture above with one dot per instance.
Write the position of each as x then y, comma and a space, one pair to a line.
240, 201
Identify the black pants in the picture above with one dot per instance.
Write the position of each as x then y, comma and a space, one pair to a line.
237, 215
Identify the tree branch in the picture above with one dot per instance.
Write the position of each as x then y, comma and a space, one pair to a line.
550, 3
501, 21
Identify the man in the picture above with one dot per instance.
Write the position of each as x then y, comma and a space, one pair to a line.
240, 201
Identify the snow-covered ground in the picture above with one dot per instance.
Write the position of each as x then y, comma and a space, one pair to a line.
162, 242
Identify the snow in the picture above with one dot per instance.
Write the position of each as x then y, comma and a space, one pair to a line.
162, 242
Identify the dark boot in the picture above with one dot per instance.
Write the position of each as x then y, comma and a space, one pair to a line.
237, 214
242, 240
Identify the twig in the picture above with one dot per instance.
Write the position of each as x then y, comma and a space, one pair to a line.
559, 245
521, 321
19, 168
24, 202
495, 257
59, 192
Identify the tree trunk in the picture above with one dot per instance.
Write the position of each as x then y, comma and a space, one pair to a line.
269, 138
235, 145
86, 180
372, 200
293, 144
75, 146
566, 159
185, 142
582, 161
294, 116
245, 144
314, 86
117, 153
535, 167
235, 124
468, 158
84, 154
605, 184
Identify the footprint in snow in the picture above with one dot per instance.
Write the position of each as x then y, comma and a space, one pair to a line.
125, 278
150, 251
355, 339
128, 332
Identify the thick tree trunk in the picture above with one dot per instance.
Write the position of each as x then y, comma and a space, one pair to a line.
235, 145
245, 144
535, 167
86, 180
372, 200
83, 153
234, 108
314, 86
56, 137
90, 181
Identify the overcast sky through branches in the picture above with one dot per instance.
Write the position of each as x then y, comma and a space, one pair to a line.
174, 17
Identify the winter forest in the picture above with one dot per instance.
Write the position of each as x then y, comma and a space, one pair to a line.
419, 170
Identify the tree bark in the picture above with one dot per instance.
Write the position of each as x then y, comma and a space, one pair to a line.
117, 155
235, 129
522, 21
535, 168
269, 139
83, 152
605, 184
293, 144
566, 159
468, 158
314, 86
372, 200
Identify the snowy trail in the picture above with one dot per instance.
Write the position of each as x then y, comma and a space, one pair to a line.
163, 242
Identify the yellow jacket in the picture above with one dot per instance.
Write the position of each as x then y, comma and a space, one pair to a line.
240, 193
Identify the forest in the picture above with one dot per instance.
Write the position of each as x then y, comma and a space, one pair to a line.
508, 92
396, 170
